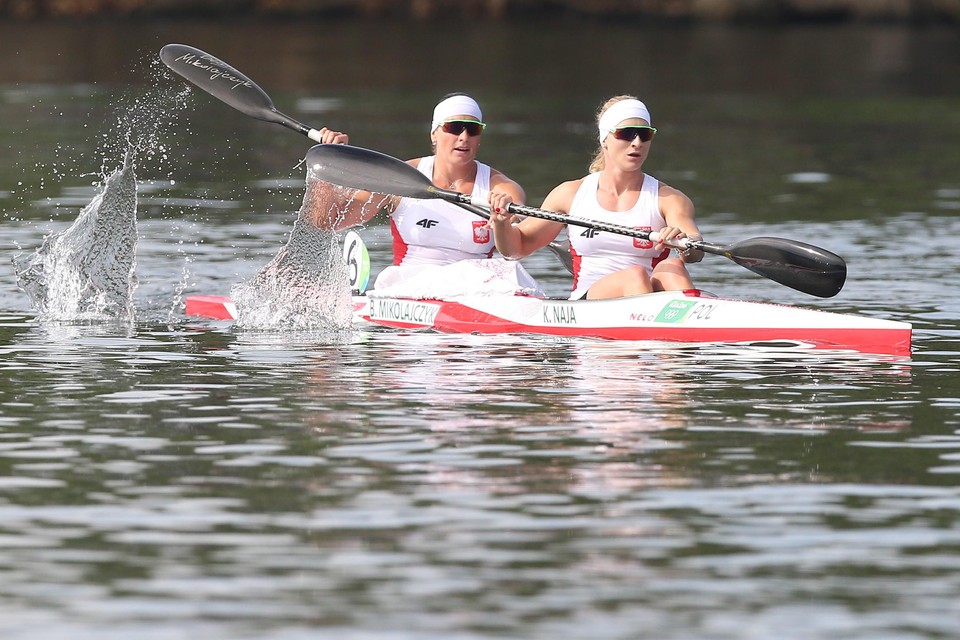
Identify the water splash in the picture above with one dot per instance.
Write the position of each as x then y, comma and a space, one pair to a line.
147, 121
306, 285
176, 303
87, 271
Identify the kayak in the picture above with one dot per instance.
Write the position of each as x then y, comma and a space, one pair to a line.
690, 316
675, 317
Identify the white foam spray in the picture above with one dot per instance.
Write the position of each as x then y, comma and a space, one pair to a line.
306, 285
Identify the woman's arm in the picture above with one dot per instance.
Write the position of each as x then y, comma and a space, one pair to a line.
331, 207
678, 212
517, 241
501, 184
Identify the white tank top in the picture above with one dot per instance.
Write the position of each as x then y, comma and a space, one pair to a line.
438, 232
600, 253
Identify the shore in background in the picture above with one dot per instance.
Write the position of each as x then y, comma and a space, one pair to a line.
775, 11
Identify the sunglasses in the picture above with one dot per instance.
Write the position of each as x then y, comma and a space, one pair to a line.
631, 132
456, 127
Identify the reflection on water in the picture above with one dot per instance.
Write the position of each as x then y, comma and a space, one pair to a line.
196, 479
173, 477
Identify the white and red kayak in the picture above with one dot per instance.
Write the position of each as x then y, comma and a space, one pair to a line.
672, 316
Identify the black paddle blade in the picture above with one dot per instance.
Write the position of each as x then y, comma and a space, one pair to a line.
221, 81
797, 265
359, 168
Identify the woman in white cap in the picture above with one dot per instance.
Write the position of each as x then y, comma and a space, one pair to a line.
435, 232
608, 265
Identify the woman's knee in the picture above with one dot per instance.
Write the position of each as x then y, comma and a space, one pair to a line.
671, 274
636, 281
631, 281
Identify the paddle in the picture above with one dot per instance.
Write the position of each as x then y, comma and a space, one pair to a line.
798, 265
228, 85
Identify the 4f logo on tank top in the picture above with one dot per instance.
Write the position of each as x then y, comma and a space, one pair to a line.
427, 223
481, 234
589, 233
640, 243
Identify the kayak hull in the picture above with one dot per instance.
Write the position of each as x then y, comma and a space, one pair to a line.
210, 307
673, 316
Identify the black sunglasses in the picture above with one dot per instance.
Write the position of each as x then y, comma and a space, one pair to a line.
456, 127
629, 133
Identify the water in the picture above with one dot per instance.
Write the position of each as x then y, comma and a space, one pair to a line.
169, 477
88, 271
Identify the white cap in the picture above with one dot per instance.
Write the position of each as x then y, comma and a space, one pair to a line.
458, 105
620, 111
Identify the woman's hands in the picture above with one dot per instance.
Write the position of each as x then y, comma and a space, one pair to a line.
668, 234
499, 203
329, 136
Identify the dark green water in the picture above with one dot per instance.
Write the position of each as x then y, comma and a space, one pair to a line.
173, 478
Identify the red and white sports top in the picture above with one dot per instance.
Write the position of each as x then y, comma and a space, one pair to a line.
438, 232
600, 253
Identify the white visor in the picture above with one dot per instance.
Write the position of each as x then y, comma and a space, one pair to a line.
620, 111
458, 105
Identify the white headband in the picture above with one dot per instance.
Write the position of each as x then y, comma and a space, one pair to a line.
620, 111
459, 105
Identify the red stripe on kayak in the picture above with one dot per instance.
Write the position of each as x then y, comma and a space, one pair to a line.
213, 307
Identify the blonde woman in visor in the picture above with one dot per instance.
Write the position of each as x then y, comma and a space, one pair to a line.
617, 191
433, 233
